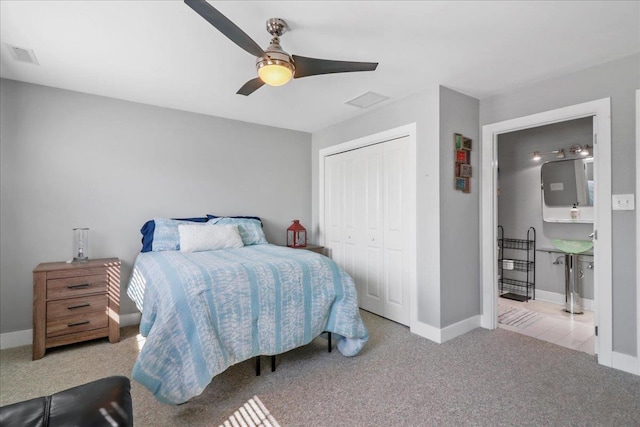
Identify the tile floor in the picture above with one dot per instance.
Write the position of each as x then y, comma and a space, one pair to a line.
575, 331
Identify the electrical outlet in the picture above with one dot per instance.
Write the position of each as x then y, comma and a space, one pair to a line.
623, 202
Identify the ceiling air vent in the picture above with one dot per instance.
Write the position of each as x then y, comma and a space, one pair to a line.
21, 54
366, 100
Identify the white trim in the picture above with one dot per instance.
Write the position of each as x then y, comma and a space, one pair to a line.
556, 298
399, 132
459, 328
20, 338
427, 331
547, 296
625, 362
601, 111
130, 319
16, 339
447, 333
638, 227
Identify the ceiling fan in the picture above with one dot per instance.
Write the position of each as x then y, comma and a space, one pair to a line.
275, 66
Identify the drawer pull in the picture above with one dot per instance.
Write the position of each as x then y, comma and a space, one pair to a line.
71, 307
83, 285
84, 322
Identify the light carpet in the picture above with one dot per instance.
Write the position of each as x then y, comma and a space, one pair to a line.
482, 378
252, 414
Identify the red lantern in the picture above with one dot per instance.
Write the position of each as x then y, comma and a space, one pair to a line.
296, 235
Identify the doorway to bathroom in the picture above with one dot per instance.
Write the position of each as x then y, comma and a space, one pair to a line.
545, 176
598, 112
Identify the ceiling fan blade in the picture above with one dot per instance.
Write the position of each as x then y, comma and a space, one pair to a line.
311, 66
251, 86
225, 26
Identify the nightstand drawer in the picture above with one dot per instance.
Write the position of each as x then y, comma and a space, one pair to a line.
75, 286
75, 306
77, 323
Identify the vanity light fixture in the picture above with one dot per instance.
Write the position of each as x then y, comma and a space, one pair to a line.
575, 149
579, 149
560, 153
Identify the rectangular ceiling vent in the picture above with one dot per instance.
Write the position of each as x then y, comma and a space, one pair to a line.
366, 100
21, 54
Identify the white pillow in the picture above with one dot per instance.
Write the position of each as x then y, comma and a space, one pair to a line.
195, 238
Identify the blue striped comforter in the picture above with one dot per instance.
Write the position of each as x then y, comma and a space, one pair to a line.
203, 312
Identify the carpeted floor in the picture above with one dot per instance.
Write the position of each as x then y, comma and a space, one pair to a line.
252, 414
493, 378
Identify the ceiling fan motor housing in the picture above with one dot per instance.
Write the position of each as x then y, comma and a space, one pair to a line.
275, 55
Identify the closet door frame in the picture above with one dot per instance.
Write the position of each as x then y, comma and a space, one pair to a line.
408, 131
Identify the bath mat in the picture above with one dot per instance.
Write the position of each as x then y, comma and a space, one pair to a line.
252, 414
517, 317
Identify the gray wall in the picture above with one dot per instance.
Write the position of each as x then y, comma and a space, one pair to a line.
459, 225
520, 198
433, 182
617, 80
75, 160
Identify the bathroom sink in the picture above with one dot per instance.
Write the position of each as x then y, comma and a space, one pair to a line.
572, 246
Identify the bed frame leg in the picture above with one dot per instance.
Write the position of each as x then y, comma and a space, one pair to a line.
273, 363
257, 366
329, 335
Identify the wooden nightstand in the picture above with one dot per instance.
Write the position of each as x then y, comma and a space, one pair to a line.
75, 302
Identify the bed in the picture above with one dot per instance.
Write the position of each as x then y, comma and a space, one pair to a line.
206, 310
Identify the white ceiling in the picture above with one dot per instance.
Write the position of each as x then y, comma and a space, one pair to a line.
162, 53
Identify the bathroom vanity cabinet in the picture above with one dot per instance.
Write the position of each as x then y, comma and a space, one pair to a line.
517, 266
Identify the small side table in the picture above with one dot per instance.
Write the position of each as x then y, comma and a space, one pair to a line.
75, 302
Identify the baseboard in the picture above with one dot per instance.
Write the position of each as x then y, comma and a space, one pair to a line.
554, 297
447, 333
20, 338
16, 339
460, 328
624, 362
130, 319
427, 331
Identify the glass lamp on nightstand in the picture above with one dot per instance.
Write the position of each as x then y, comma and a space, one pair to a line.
80, 244
296, 235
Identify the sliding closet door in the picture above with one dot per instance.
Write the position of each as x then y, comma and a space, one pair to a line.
365, 223
396, 233
340, 205
370, 281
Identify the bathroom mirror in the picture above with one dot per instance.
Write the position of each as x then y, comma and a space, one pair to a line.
565, 183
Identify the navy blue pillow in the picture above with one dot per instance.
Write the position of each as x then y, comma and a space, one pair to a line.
150, 226
227, 216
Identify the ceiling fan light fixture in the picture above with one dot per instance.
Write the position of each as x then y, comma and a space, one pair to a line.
275, 72
275, 67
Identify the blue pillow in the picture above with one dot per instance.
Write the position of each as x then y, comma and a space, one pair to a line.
250, 228
149, 227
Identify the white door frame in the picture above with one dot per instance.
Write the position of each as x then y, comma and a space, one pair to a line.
638, 227
601, 111
395, 133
